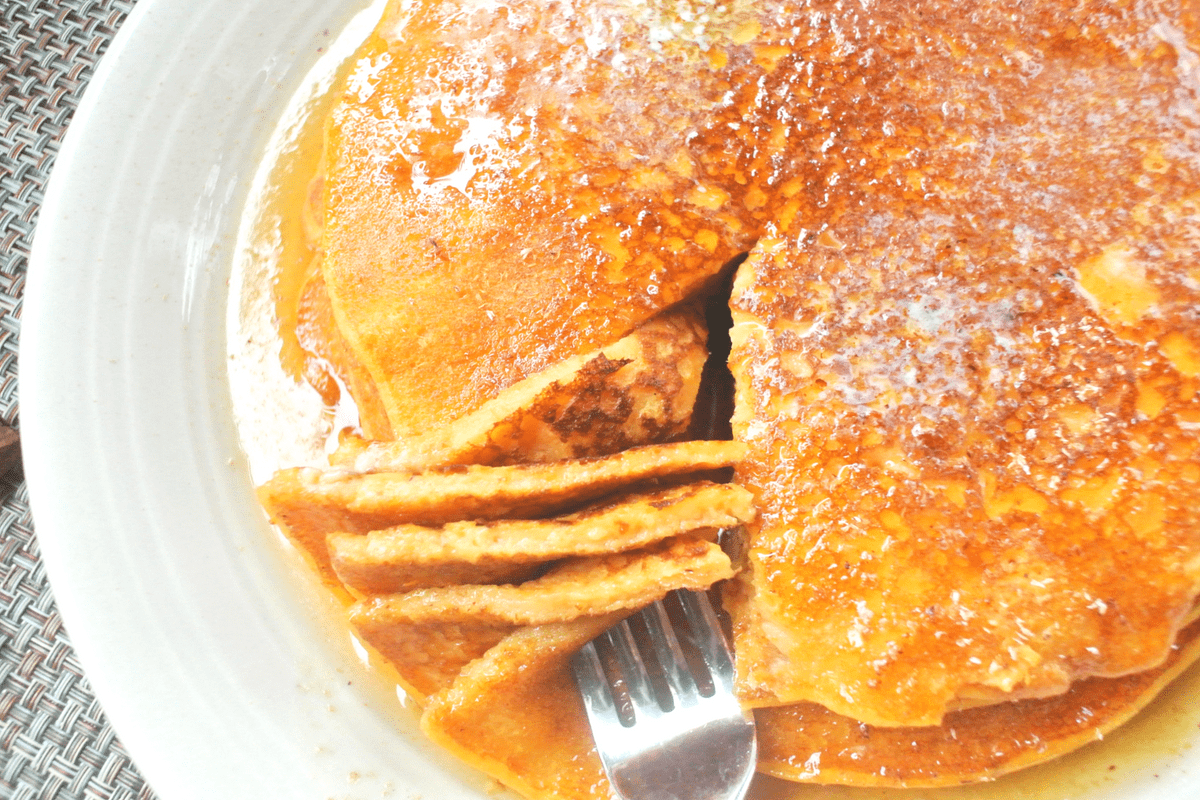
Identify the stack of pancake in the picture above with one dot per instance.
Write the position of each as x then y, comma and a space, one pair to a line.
965, 341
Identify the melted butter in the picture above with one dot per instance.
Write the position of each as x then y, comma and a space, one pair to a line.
1117, 285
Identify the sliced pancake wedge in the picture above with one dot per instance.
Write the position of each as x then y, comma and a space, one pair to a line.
639, 390
577, 587
515, 714
308, 504
365, 569
407, 557
427, 657
430, 634
488, 213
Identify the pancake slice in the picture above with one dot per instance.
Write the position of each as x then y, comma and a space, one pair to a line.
431, 634
577, 587
515, 714
639, 390
808, 743
427, 657
308, 504
408, 557
488, 215
364, 570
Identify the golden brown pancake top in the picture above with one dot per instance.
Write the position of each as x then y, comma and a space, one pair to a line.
511, 184
968, 365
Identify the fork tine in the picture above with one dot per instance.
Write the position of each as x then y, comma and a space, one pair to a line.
633, 670
704, 747
706, 634
593, 685
669, 655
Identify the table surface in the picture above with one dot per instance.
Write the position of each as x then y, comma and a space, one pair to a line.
55, 742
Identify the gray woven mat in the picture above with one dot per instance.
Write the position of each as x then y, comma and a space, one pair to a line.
54, 739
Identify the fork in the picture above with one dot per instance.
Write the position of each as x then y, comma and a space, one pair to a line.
667, 727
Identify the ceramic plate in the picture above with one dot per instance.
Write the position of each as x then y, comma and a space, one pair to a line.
225, 674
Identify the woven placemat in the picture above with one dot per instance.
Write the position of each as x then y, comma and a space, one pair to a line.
54, 739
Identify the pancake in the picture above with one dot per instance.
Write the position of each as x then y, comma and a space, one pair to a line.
578, 587
492, 186
431, 634
428, 657
308, 503
966, 374
408, 557
809, 743
966, 340
803, 742
637, 391
515, 714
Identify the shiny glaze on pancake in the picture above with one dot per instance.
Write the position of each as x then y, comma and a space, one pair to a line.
509, 185
968, 366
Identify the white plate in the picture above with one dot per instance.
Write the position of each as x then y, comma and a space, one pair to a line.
224, 675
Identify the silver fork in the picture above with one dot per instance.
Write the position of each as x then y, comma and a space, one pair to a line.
664, 729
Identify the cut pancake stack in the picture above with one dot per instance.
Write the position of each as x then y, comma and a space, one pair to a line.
491, 576
966, 346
